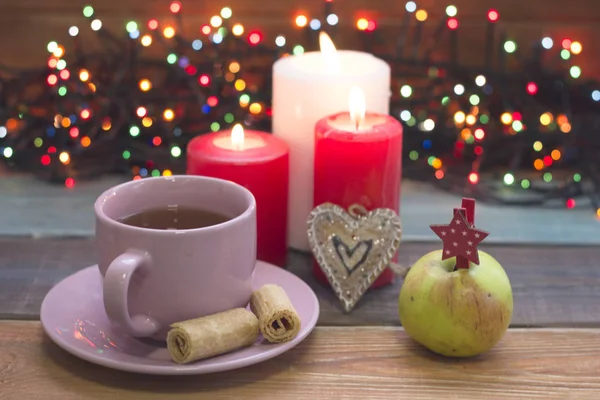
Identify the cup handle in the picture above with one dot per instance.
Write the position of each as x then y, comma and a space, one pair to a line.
116, 289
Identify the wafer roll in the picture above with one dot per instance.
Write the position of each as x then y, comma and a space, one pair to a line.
212, 335
278, 320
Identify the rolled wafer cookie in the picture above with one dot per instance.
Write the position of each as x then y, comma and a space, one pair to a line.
278, 320
212, 335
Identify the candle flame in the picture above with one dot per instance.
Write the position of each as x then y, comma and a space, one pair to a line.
358, 106
237, 137
326, 44
329, 52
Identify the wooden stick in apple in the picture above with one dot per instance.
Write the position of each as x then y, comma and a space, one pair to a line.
469, 207
461, 262
468, 210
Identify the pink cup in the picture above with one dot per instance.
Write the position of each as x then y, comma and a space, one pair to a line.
152, 277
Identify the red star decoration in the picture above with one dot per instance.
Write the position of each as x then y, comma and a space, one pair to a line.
460, 238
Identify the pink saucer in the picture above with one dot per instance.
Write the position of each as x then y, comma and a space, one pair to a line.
73, 316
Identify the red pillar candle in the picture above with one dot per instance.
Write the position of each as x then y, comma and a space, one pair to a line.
358, 160
259, 162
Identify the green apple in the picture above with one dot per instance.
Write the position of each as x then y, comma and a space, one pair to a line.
456, 313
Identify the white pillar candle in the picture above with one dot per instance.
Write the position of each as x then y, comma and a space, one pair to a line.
307, 88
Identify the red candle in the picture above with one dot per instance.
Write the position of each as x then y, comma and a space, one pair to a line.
259, 162
358, 160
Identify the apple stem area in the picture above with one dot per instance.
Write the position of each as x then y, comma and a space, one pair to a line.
459, 265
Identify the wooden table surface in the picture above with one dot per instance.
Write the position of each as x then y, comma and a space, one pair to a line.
361, 355
332, 363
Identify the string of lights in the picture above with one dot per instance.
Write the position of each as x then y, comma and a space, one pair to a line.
525, 137
513, 135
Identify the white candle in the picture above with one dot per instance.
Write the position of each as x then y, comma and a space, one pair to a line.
307, 88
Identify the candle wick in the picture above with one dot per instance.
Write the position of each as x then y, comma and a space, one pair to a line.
358, 122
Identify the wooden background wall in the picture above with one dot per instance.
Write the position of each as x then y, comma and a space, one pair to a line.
27, 25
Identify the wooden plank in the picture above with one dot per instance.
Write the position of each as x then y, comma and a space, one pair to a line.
25, 32
348, 363
553, 286
510, 10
